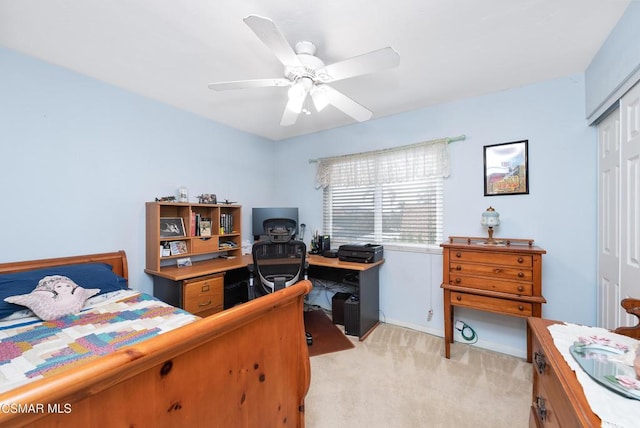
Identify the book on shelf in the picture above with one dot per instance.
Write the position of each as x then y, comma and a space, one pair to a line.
193, 230
178, 247
226, 223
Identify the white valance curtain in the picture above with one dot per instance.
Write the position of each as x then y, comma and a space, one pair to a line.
396, 165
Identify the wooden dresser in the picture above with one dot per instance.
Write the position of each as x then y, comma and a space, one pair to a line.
557, 399
505, 278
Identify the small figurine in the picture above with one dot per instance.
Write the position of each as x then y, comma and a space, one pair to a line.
228, 202
166, 199
207, 198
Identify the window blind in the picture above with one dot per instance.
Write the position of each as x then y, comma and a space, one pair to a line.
391, 197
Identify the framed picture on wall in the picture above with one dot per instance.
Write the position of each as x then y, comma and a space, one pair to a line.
506, 169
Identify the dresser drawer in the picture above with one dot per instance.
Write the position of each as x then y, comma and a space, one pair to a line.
204, 294
484, 283
550, 404
493, 258
492, 304
493, 271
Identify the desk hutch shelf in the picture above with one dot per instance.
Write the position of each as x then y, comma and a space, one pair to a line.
197, 288
225, 234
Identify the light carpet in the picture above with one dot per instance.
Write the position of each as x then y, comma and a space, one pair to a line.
399, 378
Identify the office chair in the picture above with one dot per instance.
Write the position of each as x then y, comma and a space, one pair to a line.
278, 261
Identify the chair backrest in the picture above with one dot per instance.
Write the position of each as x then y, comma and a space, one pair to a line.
278, 264
632, 306
279, 229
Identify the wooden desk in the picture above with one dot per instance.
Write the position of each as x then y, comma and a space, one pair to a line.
364, 276
557, 398
168, 284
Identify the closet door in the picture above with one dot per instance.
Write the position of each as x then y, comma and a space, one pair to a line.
619, 210
609, 220
630, 197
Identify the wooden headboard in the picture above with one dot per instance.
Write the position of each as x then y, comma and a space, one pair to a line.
117, 259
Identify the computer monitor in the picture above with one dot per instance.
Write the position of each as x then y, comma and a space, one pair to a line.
259, 215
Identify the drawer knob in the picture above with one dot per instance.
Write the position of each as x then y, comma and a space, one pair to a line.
520, 260
520, 288
520, 274
207, 303
458, 267
458, 254
539, 361
458, 280
520, 308
458, 298
497, 270
540, 408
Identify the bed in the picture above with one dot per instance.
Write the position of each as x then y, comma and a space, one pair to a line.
247, 366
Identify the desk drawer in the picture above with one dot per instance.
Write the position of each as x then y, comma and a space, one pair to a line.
492, 258
512, 287
204, 294
491, 304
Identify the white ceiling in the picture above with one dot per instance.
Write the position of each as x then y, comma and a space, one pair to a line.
169, 50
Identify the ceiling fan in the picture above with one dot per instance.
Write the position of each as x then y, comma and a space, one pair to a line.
307, 75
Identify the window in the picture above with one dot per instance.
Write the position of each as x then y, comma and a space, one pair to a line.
390, 197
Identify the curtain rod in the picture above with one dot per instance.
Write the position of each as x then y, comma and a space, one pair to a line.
449, 141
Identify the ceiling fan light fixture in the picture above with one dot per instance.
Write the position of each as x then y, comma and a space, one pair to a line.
295, 103
319, 97
300, 88
307, 75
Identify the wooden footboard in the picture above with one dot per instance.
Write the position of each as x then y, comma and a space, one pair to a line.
244, 367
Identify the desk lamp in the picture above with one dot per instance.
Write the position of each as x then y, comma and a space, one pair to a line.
491, 219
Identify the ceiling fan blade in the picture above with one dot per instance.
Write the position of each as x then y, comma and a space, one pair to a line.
292, 110
380, 59
246, 84
268, 32
347, 105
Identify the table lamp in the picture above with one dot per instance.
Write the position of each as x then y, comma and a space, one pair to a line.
491, 219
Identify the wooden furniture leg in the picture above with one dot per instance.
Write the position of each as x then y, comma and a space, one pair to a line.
448, 323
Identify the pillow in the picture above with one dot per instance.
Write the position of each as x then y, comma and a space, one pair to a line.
86, 275
54, 297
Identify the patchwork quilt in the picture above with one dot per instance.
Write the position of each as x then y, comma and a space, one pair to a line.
32, 349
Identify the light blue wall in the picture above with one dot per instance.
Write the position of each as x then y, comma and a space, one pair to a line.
559, 213
616, 66
79, 158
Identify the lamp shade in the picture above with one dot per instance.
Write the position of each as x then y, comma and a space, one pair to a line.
320, 98
490, 218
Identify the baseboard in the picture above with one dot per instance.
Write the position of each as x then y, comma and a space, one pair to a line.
491, 346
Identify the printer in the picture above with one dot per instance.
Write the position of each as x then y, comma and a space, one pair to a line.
360, 253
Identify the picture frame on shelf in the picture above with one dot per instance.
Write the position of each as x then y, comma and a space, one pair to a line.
178, 247
205, 227
506, 169
171, 227
184, 262
165, 249
207, 198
